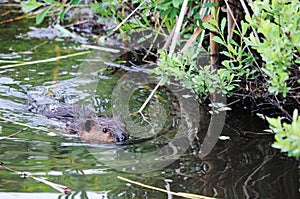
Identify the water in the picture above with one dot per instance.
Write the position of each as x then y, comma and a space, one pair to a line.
235, 168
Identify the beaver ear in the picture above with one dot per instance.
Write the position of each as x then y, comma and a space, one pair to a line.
88, 125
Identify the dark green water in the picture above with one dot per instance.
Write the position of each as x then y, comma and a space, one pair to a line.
235, 168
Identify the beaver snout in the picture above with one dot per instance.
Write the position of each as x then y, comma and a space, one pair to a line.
122, 136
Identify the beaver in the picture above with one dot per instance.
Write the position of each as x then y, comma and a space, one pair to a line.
83, 121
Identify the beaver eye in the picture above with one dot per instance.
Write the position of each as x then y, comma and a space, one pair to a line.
104, 130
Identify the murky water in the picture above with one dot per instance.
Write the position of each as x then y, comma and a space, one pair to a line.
235, 168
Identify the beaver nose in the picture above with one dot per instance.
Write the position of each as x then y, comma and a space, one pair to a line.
122, 137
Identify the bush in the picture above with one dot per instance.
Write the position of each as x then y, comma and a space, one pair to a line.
287, 135
278, 22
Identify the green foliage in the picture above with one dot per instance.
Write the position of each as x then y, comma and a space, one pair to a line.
152, 14
106, 8
278, 22
185, 69
287, 135
202, 79
28, 6
47, 6
41, 16
238, 61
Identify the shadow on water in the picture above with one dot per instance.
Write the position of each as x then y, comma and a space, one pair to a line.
238, 167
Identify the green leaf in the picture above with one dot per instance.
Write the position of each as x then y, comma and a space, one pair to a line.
236, 32
231, 41
95, 6
231, 49
273, 89
75, 2
267, 72
49, 1
146, 20
176, 3
227, 54
209, 5
144, 38
213, 22
244, 27
30, 6
223, 23
41, 16
173, 13
214, 12
275, 122
62, 14
165, 5
295, 115
248, 19
218, 40
209, 27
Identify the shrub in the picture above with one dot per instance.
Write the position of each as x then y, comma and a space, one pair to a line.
278, 22
287, 135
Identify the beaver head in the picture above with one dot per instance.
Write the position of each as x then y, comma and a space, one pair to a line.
103, 130
99, 129
86, 123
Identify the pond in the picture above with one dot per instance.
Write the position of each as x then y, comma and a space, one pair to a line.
168, 154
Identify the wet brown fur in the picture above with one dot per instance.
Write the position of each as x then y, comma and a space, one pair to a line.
84, 122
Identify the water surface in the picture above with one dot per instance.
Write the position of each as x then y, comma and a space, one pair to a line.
236, 168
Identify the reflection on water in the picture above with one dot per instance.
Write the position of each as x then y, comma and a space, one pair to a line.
240, 168
16, 195
235, 168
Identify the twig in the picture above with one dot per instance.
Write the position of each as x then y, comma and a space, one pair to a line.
111, 50
195, 34
150, 96
21, 124
53, 59
235, 101
145, 119
118, 26
277, 104
169, 39
15, 19
214, 51
16, 133
230, 24
172, 49
60, 188
238, 28
178, 27
248, 13
10, 5
154, 39
8, 61
128, 68
185, 195
249, 178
